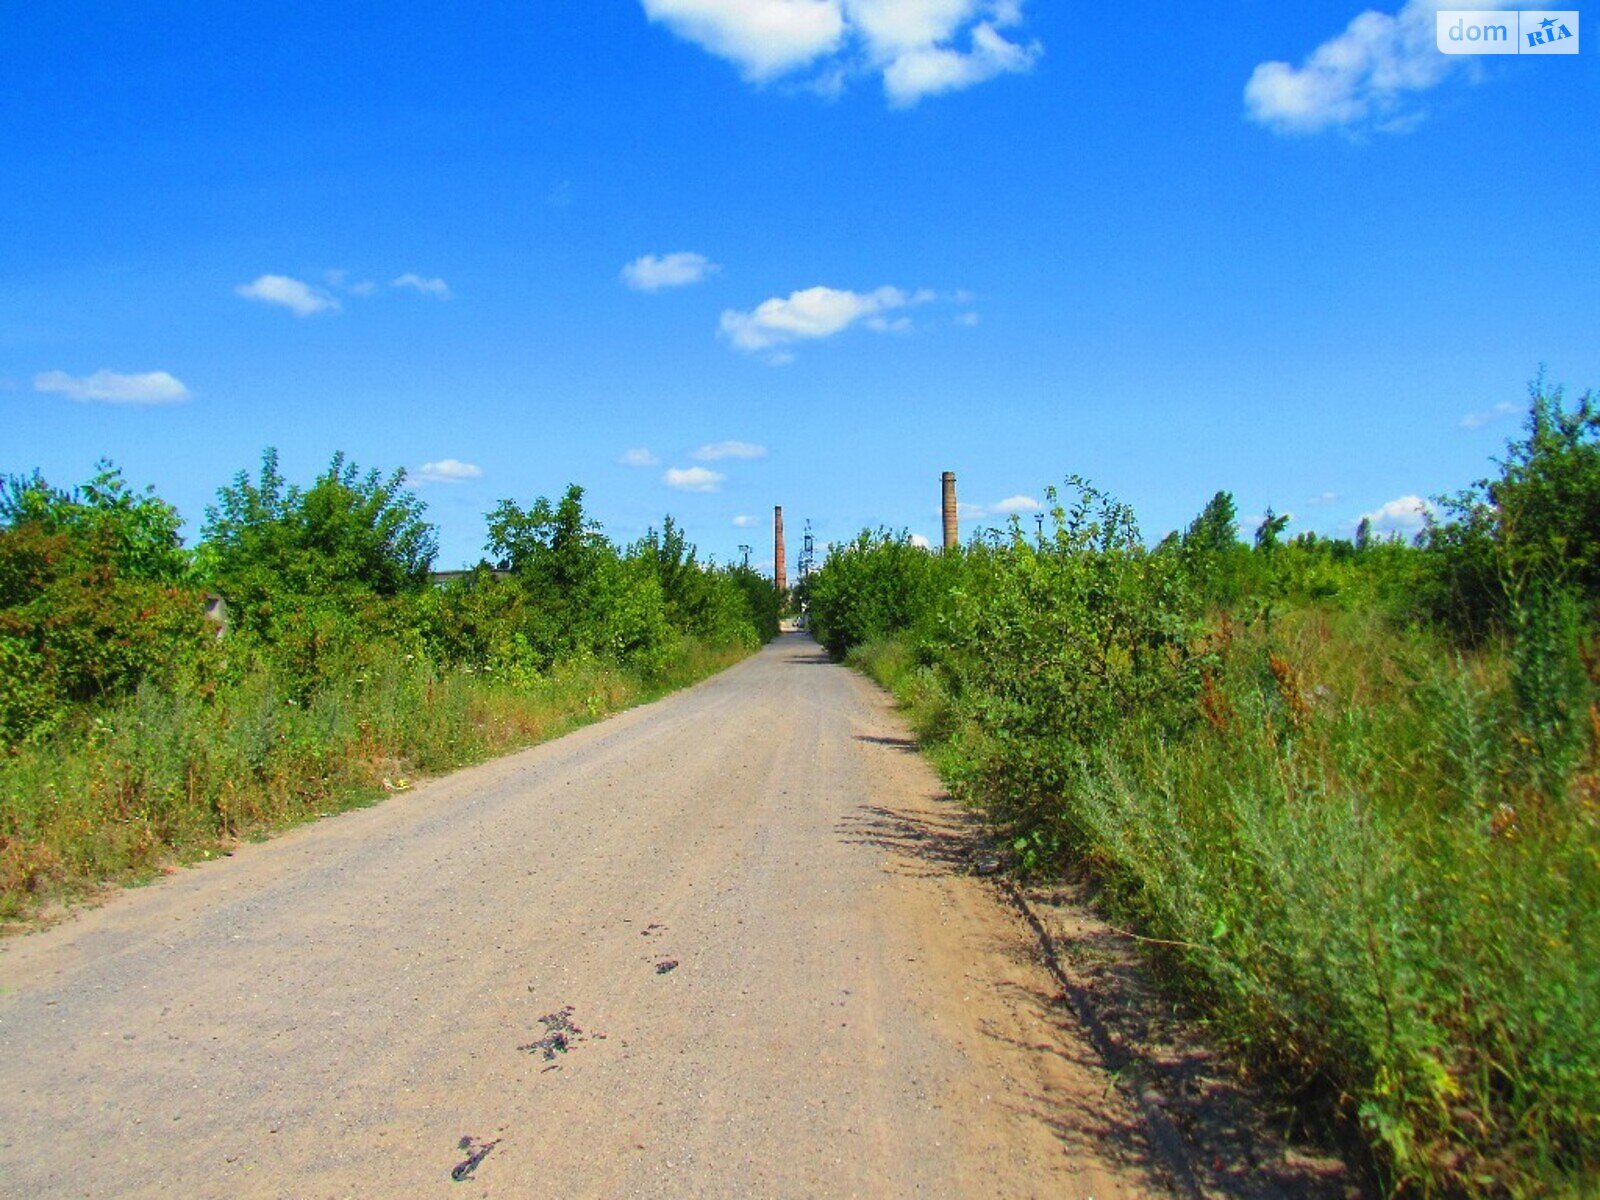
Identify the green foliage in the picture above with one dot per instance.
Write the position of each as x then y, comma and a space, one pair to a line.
580, 598
135, 533
1365, 830
1536, 525
1211, 550
1270, 530
91, 602
1549, 687
719, 605
878, 585
266, 540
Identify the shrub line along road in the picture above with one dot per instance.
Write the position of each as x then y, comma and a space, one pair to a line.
476, 977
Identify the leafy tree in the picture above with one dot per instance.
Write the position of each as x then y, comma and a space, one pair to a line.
267, 539
1216, 529
1536, 525
581, 596
1270, 529
557, 545
136, 532
1210, 549
91, 602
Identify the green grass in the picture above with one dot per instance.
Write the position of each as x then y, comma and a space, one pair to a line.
164, 777
1369, 894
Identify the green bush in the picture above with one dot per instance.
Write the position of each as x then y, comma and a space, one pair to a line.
81, 618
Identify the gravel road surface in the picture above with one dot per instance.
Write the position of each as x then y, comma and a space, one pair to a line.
724, 945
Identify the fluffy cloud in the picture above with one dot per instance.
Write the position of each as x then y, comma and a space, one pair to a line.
428, 287
638, 457
743, 522
716, 451
449, 470
110, 387
920, 542
1011, 505
297, 296
1405, 515
1017, 504
1360, 79
919, 47
651, 272
817, 312
765, 38
930, 69
693, 479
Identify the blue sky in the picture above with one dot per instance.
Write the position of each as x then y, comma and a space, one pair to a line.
808, 252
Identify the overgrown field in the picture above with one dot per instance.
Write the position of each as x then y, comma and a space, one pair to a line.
134, 732
1351, 785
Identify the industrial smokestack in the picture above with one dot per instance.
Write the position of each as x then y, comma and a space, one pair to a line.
780, 572
952, 536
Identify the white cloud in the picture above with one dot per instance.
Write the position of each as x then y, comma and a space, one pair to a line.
693, 479
651, 272
428, 287
638, 457
817, 312
1360, 79
297, 296
969, 319
920, 542
110, 387
1001, 508
716, 451
1323, 499
1017, 504
1404, 515
764, 38
930, 69
919, 47
743, 522
449, 470
1499, 412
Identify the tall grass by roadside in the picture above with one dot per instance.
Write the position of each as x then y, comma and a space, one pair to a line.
1356, 873
167, 775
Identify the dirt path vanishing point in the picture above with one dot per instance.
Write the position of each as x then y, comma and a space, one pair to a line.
725, 945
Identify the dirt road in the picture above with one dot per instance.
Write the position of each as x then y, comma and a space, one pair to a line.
721, 946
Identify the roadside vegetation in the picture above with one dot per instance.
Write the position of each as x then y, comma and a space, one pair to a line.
134, 732
1348, 789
